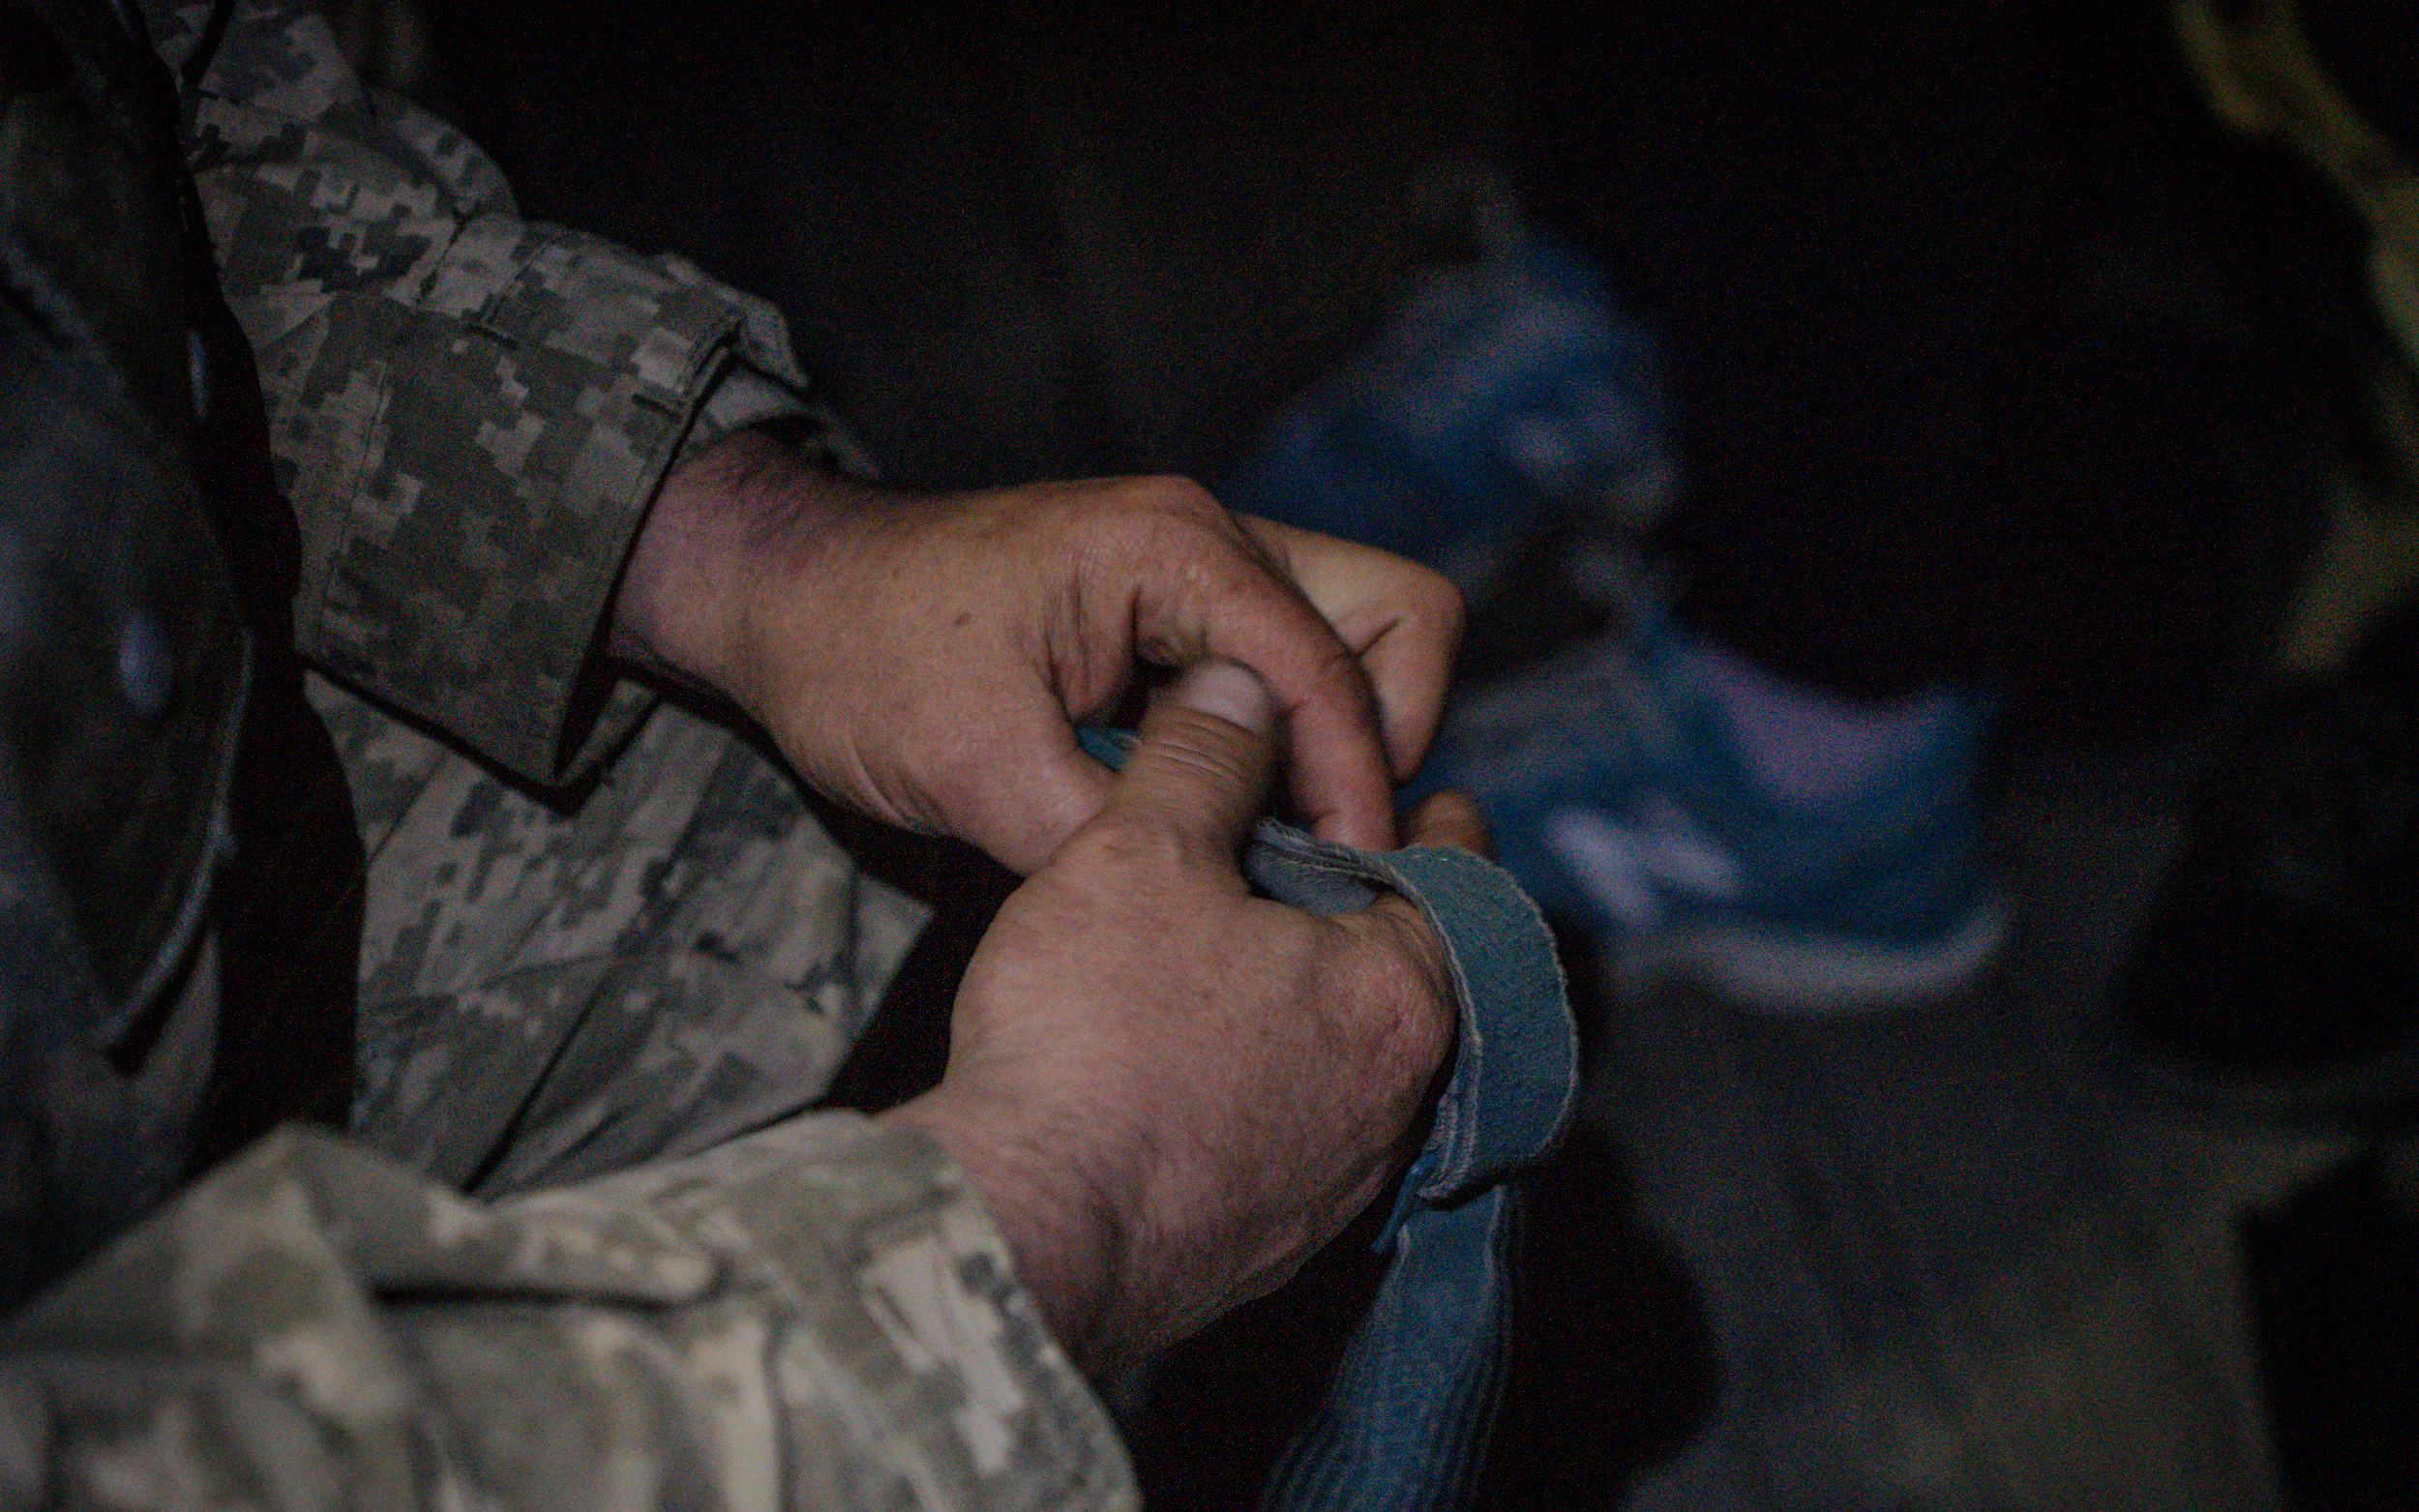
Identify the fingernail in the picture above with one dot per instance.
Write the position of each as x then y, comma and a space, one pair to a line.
1229, 690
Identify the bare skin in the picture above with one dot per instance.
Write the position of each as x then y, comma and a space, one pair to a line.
924, 659
1169, 1092
1172, 1092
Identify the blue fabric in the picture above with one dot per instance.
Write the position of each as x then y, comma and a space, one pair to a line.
1404, 1423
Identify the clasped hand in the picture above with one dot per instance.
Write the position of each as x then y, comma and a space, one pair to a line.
1170, 1092
925, 659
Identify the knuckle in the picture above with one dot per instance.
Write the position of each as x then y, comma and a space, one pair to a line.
1170, 529
1425, 605
1158, 503
1336, 676
1205, 749
1127, 842
1171, 494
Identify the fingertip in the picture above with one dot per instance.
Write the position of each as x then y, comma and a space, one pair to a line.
1228, 689
1362, 830
1410, 729
1450, 819
1067, 790
1342, 779
1077, 789
1413, 701
1208, 749
1410, 668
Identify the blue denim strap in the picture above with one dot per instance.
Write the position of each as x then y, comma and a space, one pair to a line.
1403, 1425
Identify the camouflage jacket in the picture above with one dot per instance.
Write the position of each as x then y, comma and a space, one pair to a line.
469, 411
470, 414
817, 1316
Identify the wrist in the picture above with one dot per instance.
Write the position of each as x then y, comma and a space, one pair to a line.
744, 511
1061, 1227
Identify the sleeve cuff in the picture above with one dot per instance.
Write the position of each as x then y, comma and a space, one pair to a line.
741, 396
881, 1239
512, 429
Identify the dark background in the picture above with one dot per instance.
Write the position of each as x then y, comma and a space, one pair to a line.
1994, 356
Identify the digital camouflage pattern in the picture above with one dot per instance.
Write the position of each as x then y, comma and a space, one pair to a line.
814, 1315
590, 1016
469, 413
671, 1287
548, 996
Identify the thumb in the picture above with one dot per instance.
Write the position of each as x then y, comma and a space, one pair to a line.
1023, 826
1209, 744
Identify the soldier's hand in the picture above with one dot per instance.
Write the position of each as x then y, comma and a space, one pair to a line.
926, 657
1172, 1092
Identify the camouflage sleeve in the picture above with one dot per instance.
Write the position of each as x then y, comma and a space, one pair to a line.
469, 411
817, 1316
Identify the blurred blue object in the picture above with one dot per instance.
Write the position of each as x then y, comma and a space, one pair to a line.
1505, 396
1617, 795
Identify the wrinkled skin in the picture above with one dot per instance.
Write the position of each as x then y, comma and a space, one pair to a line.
924, 658
1172, 1092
